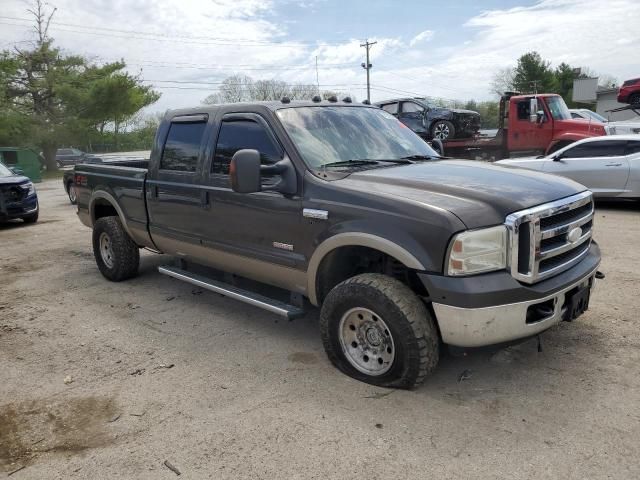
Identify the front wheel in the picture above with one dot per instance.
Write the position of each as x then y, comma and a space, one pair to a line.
33, 218
443, 130
117, 256
376, 330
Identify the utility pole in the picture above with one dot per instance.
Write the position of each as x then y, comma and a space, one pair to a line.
317, 76
367, 66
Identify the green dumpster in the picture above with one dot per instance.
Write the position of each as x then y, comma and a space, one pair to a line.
23, 158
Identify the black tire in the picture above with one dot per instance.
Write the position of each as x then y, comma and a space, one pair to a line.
71, 192
123, 257
634, 99
443, 130
411, 329
33, 218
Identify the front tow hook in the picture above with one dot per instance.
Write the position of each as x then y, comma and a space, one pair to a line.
600, 275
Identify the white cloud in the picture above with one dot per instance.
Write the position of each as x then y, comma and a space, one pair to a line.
202, 41
421, 37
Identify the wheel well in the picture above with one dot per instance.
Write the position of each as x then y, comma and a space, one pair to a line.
558, 145
102, 208
346, 262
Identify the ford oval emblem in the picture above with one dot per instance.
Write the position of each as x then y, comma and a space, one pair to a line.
574, 235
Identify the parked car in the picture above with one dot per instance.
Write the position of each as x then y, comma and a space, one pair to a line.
342, 204
609, 166
430, 121
18, 197
629, 92
612, 128
69, 156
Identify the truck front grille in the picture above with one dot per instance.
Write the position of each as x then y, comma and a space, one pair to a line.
550, 238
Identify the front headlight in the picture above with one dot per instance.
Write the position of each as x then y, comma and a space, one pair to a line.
31, 189
477, 251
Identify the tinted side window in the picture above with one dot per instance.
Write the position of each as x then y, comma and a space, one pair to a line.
65, 151
391, 108
408, 107
523, 110
182, 147
596, 149
241, 134
633, 147
575, 115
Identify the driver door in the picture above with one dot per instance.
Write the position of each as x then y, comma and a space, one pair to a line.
601, 166
412, 115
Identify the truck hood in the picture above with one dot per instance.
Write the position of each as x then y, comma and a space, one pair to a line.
13, 180
479, 194
468, 112
579, 126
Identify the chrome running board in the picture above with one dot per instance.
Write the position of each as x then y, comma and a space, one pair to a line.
274, 306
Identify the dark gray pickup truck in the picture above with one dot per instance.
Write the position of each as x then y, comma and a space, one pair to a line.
339, 205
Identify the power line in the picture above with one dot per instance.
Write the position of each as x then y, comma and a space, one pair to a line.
198, 40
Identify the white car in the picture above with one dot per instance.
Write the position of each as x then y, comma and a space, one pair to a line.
612, 128
609, 166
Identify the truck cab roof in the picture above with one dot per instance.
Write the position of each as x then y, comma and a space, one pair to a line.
272, 106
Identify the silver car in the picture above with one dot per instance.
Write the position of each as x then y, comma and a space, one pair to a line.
609, 166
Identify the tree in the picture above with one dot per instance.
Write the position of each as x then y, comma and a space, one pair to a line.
241, 88
533, 74
61, 99
503, 81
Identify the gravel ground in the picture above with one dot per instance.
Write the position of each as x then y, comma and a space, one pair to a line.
105, 380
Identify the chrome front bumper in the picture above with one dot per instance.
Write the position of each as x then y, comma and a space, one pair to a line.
479, 327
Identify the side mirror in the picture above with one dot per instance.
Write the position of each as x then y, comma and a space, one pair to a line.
245, 171
533, 110
558, 157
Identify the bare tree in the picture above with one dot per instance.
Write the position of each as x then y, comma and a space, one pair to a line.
301, 91
503, 81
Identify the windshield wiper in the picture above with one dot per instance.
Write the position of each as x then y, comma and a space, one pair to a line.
420, 157
350, 163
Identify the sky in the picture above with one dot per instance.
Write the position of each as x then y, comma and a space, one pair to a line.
440, 49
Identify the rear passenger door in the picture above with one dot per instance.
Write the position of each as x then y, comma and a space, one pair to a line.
262, 226
602, 166
174, 199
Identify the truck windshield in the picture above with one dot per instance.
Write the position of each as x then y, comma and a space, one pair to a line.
332, 135
558, 108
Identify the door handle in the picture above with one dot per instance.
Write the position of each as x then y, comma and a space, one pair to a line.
613, 165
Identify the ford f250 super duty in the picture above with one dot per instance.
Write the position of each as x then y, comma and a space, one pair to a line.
283, 204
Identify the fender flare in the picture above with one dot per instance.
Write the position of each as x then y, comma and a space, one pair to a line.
101, 194
355, 239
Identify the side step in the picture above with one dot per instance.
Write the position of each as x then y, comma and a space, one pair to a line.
257, 300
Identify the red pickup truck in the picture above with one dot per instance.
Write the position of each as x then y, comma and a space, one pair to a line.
529, 125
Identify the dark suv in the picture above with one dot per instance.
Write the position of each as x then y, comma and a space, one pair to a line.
430, 121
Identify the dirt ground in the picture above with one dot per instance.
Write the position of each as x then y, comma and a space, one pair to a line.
101, 380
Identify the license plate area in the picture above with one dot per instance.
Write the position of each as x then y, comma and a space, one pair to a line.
576, 302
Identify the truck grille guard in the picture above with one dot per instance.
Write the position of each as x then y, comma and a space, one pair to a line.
550, 238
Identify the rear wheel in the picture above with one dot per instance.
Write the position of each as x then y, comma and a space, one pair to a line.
71, 191
634, 99
117, 256
443, 130
376, 330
